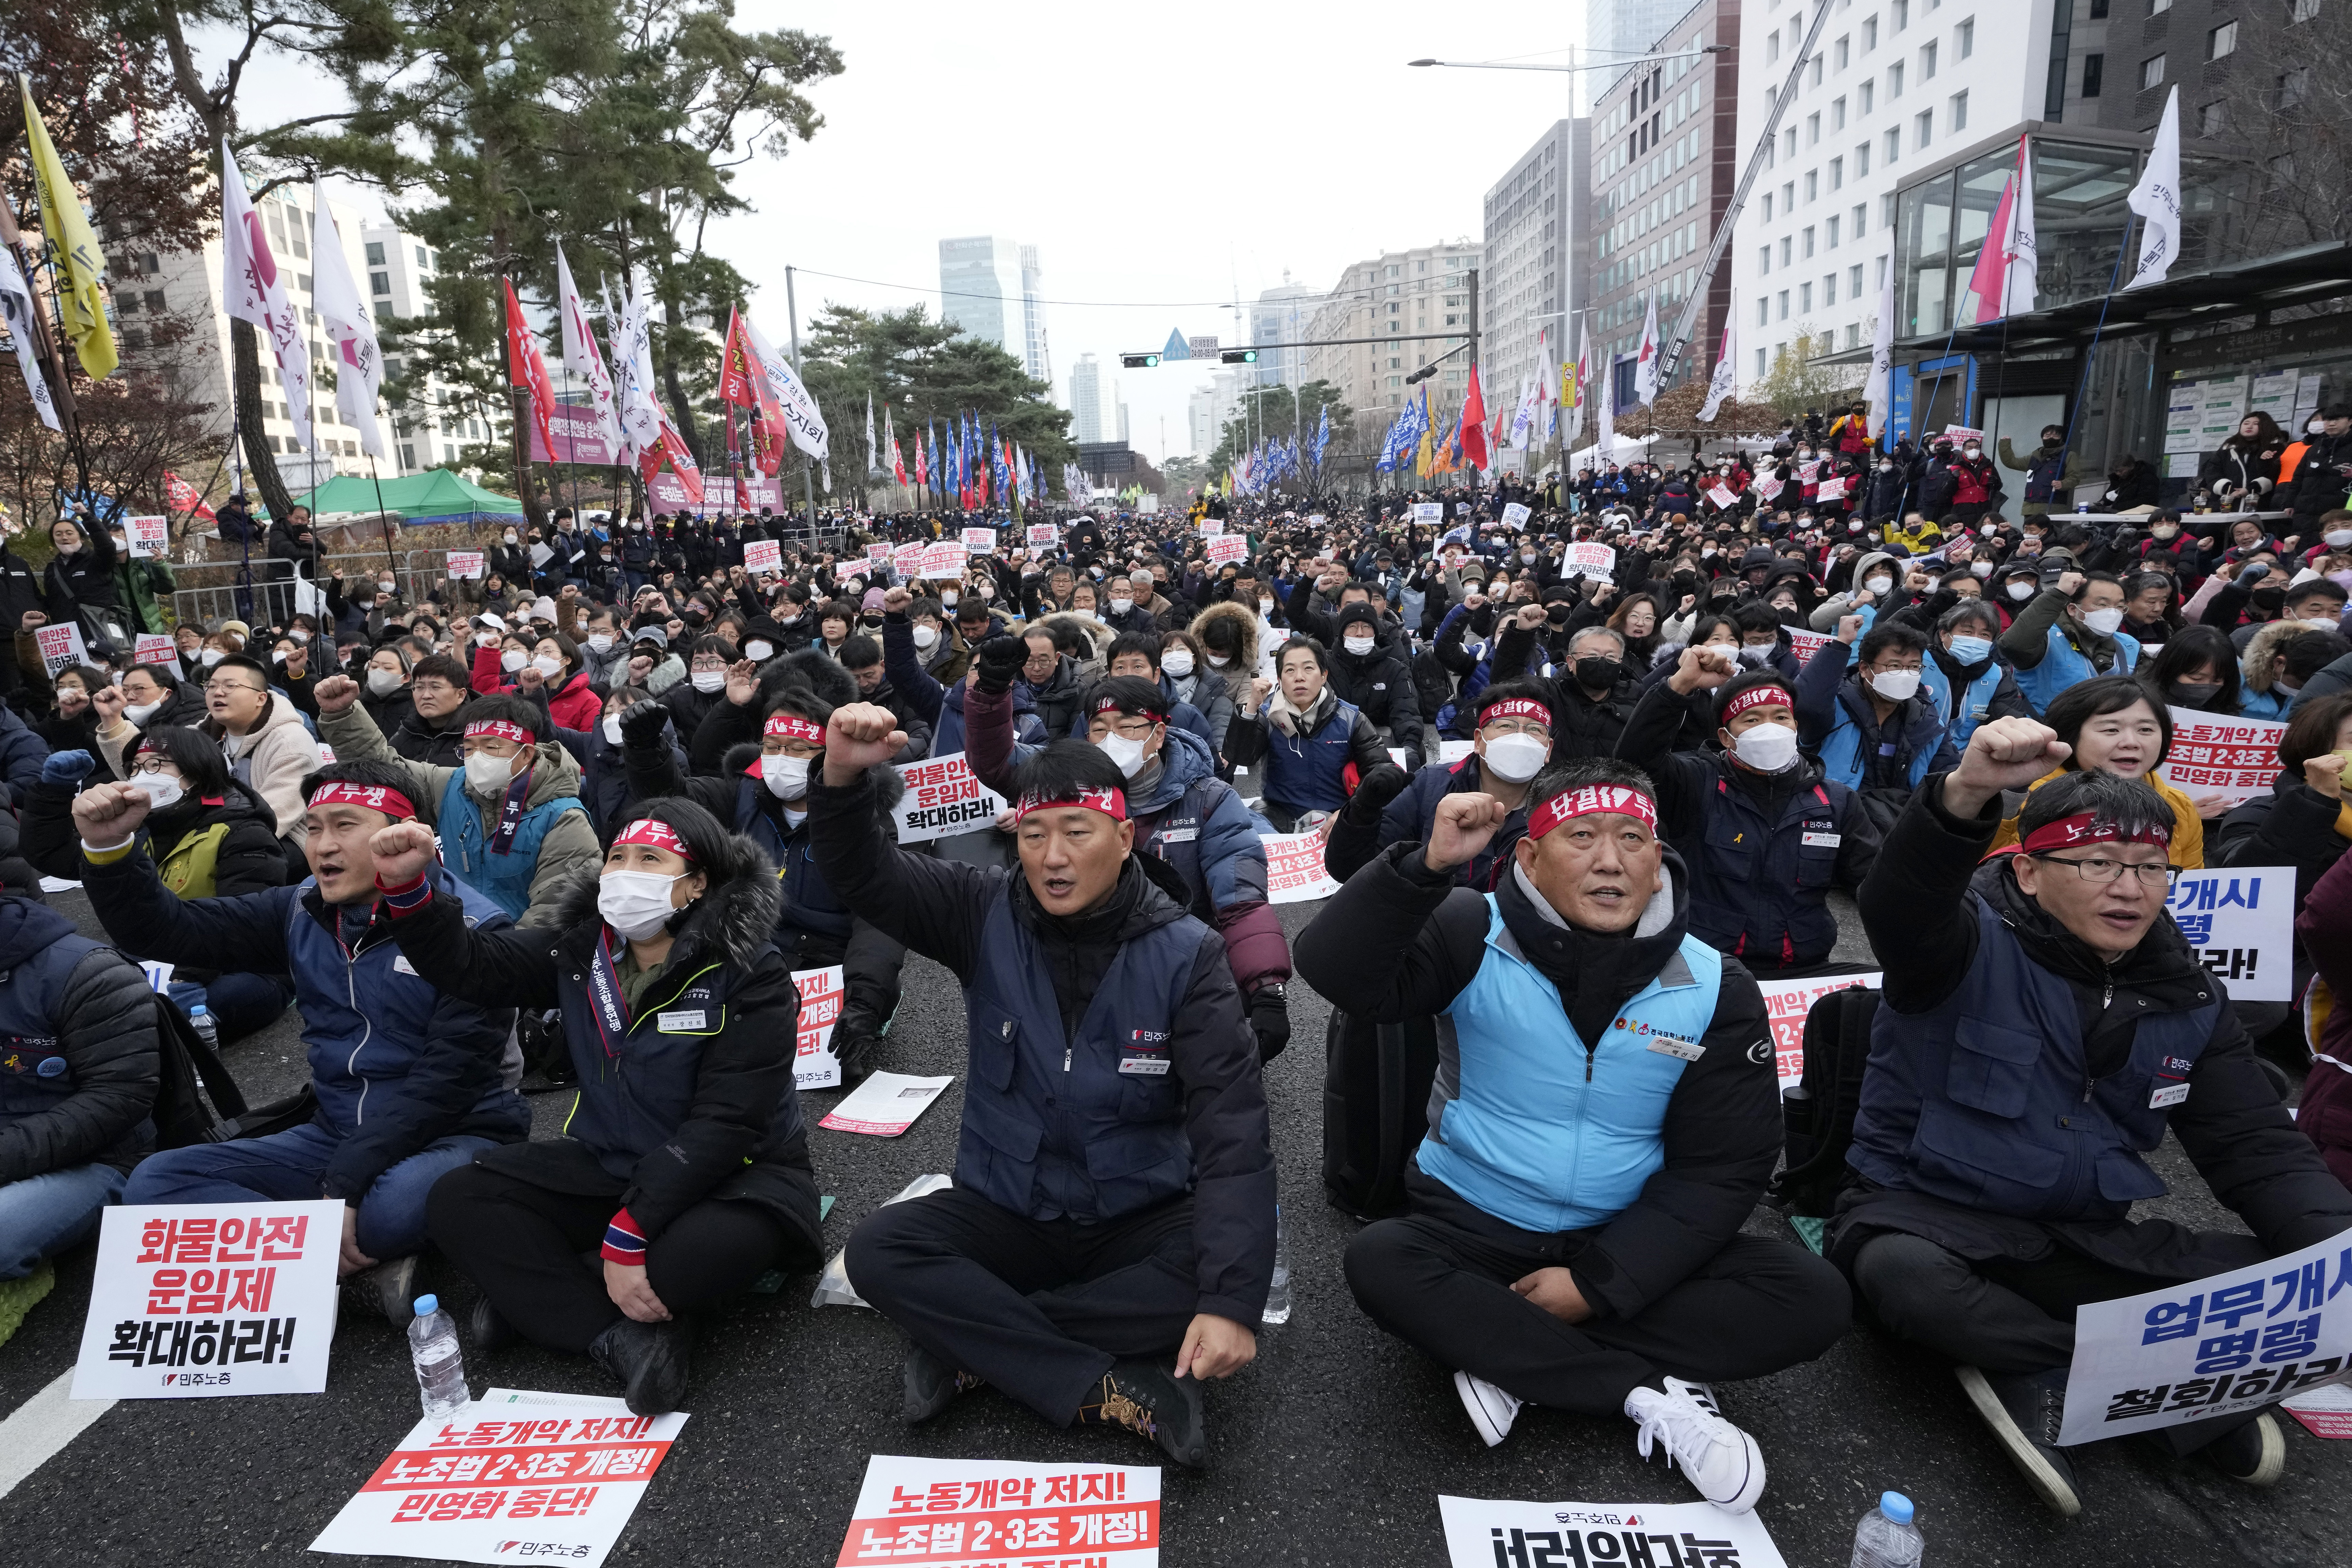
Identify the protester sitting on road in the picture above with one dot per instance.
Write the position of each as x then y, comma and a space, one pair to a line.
1871, 731
79, 1077
440, 691
2110, 726
2044, 1025
2197, 671
510, 819
686, 1156
1302, 739
1765, 837
409, 1081
2068, 633
1512, 743
1574, 1238
1113, 1199
861, 655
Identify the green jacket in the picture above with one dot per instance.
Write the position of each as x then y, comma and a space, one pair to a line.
145, 584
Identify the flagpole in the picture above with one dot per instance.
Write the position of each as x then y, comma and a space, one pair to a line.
808, 480
572, 461
382, 515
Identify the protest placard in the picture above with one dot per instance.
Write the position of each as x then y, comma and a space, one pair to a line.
945, 559
2231, 1341
1768, 485
2240, 921
154, 647
1592, 560
1963, 433
1429, 511
1721, 496
148, 536
1043, 536
466, 564
944, 799
1295, 873
763, 556
1227, 547
1515, 514
886, 1104
907, 560
814, 1064
2235, 758
1786, 1003
982, 540
2323, 1412
1806, 471
876, 553
60, 643
207, 1300
1805, 644
1211, 526
516, 1476
984, 1513
1481, 1533
1831, 488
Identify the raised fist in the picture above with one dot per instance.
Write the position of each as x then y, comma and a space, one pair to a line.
335, 694
402, 851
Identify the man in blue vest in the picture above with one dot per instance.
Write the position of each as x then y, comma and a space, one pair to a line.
2044, 1025
1871, 730
2069, 632
510, 822
78, 1082
1605, 1116
1113, 1206
410, 1083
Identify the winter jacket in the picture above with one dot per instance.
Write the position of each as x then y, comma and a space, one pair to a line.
1055, 1133
397, 1063
944, 705
2320, 478
2294, 824
273, 758
2240, 473
437, 742
1408, 818
1838, 724
2043, 474
217, 847
144, 585
1206, 693
2322, 927
85, 578
2050, 650
79, 1063
1308, 771
1986, 690
22, 753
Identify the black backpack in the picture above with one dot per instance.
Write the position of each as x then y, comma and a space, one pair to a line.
196, 1100
1376, 1082
1816, 1115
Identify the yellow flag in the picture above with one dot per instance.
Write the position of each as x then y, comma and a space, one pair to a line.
67, 233
1421, 457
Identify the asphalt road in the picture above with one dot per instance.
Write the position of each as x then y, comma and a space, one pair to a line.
1332, 1449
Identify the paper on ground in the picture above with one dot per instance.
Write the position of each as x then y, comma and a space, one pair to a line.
886, 1104
983, 1513
1481, 1533
2325, 1412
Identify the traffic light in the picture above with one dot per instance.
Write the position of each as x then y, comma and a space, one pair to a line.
1137, 361
1424, 373
1238, 356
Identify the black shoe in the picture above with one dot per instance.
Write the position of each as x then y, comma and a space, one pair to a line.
1154, 1404
932, 1385
392, 1284
488, 1328
2023, 1410
2254, 1453
649, 1360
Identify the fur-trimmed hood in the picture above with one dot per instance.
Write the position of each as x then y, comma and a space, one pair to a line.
733, 919
2254, 665
1245, 622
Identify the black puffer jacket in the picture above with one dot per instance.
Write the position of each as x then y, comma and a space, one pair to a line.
105, 1026
1380, 684
247, 860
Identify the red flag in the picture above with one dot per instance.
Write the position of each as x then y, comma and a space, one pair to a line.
689, 473
526, 368
1473, 423
922, 459
182, 496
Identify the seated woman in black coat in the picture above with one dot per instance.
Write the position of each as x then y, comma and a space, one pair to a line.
686, 1157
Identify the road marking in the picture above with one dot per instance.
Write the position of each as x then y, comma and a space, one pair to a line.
43, 1424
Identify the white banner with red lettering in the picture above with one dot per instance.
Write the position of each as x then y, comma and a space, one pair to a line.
1592, 560
515, 1476
1805, 644
466, 564
60, 643
988, 1513
154, 648
1044, 536
945, 559
944, 799
1295, 872
1211, 527
979, 540
2235, 758
763, 556
1227, 547
821, 991
207, 1300
1786, 1003
148, 536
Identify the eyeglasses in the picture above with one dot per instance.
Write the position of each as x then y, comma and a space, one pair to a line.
2099, 869
153, 766
212, 686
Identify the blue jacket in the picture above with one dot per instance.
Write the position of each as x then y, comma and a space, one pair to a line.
78, 1038
397, 1065
22, 753
1993, 694
942, 705
1839, 726
505, 878
1197, 824
2064, 665
1307, 772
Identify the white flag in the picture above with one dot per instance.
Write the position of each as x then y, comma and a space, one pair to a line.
2021, 284
633, 352
872, 453
1604, 393
1726, 382
359, 360
1878, 390
801, 415
255, 291
2157, 198
1645, 364
1523, 421
581, 356
16, 306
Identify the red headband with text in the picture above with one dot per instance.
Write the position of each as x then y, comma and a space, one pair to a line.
1112, 705
656, 833
1762, 695
793, 727
373, 797
499, 730
1592, 800
1111, 803
2087, 827
1516, 707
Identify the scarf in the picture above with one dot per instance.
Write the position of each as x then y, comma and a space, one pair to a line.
1286, 717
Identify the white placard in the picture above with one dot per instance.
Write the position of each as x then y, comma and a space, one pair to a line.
1770, 485
1316, 520
1721, 496
907, 560
1149, 506
2237, 758
1295, 872
60, 643
1964, 433
1043, 536
945, 559
1429, 511
1397, 754
765, 555
1592, 560
2211, 1347
991, 1513
1515, 514
944, 799
2240, 923
876, 553
886, 1104
1481, 1533
2323, 1412
1786, 1003
1452, 752
1227, 547
815, 1066
1804, 642
148, 536
1211, 527
982, 540
516, 1476
154, 648
209, 1301
466, 564
1831, 489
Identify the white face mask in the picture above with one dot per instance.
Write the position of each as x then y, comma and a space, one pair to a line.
140, 712
488, 776
757, 652
786, 778
613, 728
163, 788
210, 656
1358, 646
549, 668
1767, 748
2020, 592
1265, 606
1177, 661
1127, 753
2338, 537
513, 659
636, 904
1218, 661
2104, 622
1894, 685
383, 682
1119, 607
708, 680
1516, 758
1877, 586
602, 642
1980, 568
926, 637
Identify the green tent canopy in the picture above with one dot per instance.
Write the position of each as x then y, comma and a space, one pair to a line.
435, 496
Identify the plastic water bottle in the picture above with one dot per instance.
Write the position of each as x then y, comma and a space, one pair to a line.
440, 1363
1886, 1538
200, 1017
1277, 1300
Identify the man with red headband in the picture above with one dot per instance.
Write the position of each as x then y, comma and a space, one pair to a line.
2044, 1025
411, 1082
1113, 1206
1605, 1116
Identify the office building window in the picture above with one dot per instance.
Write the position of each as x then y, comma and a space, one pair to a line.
375, 253
1813, 129
1804, 299
1869, 96
1965, 36
1861, 220
1853, 279
2151, 72
1960, 112
1893, 145
2153, 6
1894, 79
1923, 128
2221, 42
1901, 12
1834, 234
1927, 62
1763, 312
1763, 260
1842, 48
1784, 304
1837, 174
1808, 241
1829, 290
379, 282
2212, 119
1785, 256
1870, 35
2095, 69
1812, 184
1862, 161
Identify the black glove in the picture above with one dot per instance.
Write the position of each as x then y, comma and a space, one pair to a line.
1372, 796
999, 659
1269, 1016
641, 723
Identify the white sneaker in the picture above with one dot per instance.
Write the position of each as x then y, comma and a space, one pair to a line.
1723, 1462
1492, 1411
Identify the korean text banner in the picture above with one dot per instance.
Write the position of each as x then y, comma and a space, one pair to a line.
1295, 872
1482, 1533
2240, 921
964, 1513
815, 1066
943, 799
2212, 754
1786, 1003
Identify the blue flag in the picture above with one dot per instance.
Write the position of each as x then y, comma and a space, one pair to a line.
1322, 433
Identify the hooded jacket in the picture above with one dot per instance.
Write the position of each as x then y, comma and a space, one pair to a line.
1838, 724
944, 705
217, 847
1236, 674
78, 1066
274, 757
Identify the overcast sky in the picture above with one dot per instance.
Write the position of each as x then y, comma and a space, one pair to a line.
1164, 156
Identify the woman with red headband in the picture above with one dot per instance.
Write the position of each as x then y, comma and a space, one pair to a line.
686, 1156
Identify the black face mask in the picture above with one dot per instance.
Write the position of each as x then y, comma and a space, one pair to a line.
1598, 673
2270, 601
1556, 614
2195, 693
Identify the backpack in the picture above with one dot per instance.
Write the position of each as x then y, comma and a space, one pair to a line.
1816, 1115
1376, 1082
195, 1095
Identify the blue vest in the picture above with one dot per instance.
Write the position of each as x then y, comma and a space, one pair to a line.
505, 879
1841, 756
2064, 665
1758, 889
1528, 1136
34, 1075
1974, 706
810, 906
1305, 772
1088, 1128
1986, 1102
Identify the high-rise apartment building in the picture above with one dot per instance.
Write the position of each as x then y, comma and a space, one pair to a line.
994, 289
1086, 401
1280, 317
1537, 253
1424, 293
